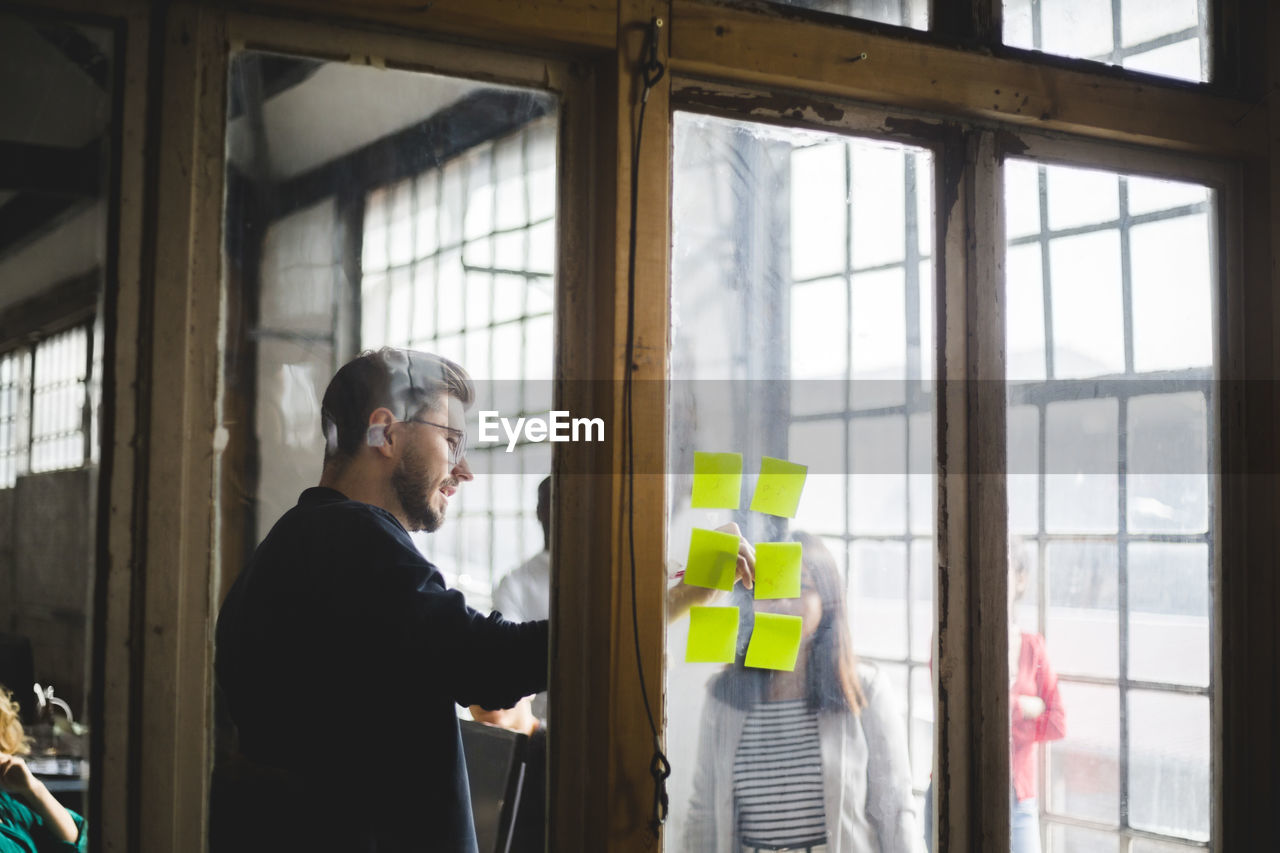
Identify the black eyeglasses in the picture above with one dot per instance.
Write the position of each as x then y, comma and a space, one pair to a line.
457, 440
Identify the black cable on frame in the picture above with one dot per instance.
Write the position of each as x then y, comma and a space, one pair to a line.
651, 71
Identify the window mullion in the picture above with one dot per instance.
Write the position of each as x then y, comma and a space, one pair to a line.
972, 765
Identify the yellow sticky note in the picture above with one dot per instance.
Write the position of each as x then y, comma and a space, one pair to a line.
713, 635
778, 569
775, 642
779, 487
713, 559
717, 480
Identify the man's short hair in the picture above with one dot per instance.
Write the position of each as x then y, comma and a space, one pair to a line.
402, 380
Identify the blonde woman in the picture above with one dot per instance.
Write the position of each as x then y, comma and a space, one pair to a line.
31, 820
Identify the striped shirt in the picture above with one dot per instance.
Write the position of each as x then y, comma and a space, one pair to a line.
777, 777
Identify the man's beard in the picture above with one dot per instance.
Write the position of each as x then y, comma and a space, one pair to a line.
407, 481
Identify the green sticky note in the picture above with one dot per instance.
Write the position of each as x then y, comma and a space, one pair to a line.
778, 570
713, 559
779, 487
713, 635
775, 642
717, 480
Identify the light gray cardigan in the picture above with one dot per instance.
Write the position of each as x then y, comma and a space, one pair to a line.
866, 777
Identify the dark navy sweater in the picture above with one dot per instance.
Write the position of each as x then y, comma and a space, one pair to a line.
340, 655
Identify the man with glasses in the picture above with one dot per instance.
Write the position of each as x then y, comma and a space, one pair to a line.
341, 652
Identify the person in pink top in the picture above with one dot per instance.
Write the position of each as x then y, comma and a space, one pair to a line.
1036, 712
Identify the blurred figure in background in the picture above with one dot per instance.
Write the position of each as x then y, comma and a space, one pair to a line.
524, 595
1035, 708
814, 759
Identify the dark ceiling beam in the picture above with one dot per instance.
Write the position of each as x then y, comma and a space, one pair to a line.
65, 304
80, 51
275, 74
28, 216
50, 170
475, 119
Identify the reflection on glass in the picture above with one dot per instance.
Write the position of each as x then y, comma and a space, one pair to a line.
56, 91
1169, 763
804, 331
369, 207
1166, 37
391, 230
1109, 442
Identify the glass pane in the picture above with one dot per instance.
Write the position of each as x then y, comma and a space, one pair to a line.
878, 598
1086, 298
822, 302
1022, 180
1109, 445
1171, 272
1081, 580
1168, 456
1169, 763
1080, 197
387, 230
878, 485
1081, 438
906, 13
819, 229
1024, 312
1077, 839
1166, 37
1023, 460
59, 400
1152, 195
810, 348
57, 89
1143, 845
1084, 766
1169, 613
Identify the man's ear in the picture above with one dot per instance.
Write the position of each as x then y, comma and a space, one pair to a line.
377, 434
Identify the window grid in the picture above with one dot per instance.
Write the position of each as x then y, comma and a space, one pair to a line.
453, 253
1121, 52
15, 415
49, 394
60, 400
917, 401
1123, 389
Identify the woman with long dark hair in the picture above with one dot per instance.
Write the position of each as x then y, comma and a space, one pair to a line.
814, 759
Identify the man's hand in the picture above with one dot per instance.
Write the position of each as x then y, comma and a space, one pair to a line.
682, 596
15, 777
1031, 707
746, 555
517, 719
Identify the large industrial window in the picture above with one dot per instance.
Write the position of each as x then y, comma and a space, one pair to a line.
459, 260
47, 403
15, 390
60, 401
1110, 282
